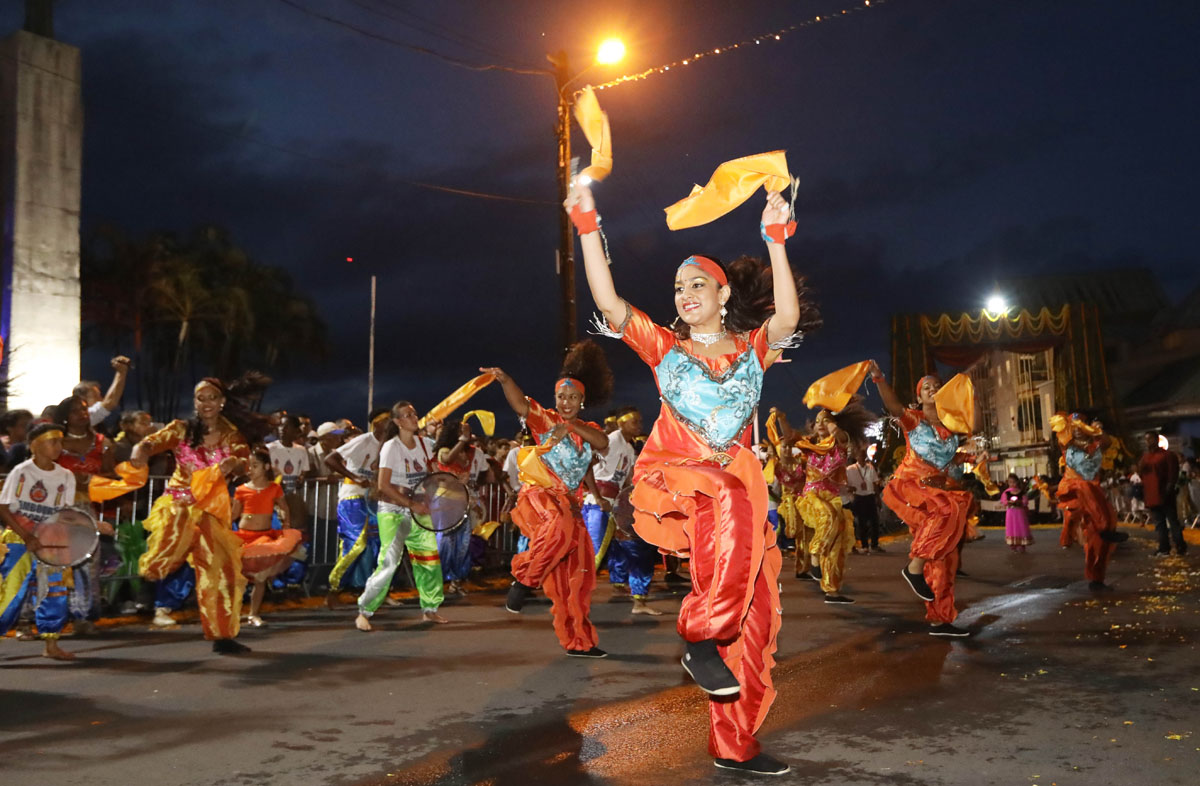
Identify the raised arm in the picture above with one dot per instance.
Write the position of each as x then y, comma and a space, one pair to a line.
787, 303
593, 436
512, 393
891, 401
582, 207
112, 399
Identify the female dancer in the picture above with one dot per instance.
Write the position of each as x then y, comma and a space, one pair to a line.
85, 453
1087, 513
561, 558
820, 507
454, 453
266, 552
404, 461
699, 489
192, 519
1016, 515
925, 494
790, 470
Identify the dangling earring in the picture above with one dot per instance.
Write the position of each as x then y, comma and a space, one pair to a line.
724, 311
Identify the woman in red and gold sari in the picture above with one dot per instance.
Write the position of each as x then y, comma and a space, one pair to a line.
698, 487
1088, 516
926, 494
192, 521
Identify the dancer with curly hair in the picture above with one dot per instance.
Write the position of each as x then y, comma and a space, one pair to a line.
560, 556
698, 487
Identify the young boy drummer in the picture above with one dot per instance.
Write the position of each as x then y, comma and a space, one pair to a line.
35, 489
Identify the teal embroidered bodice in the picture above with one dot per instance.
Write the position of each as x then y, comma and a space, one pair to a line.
716, 408
568, 462
934, 450
1084, 463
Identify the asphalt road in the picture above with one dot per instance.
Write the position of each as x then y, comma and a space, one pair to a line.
1058, 686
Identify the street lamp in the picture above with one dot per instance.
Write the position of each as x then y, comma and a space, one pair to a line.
996, 304
610, 52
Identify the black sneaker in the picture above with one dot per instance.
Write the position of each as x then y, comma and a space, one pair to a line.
675, 578
1114, 536
762, 764
946, 629
815, 572
838, 599
229, 647
918, 584
594, 652
703, 663
517, 594
803, 576
1097, 586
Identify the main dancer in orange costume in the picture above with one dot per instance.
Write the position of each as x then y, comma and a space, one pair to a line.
925, 493
698, 488
560, 558
1087, 513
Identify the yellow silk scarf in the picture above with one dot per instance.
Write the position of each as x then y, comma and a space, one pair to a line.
834, 391
131, 478
487, 420
457, 398
594, 122
955, 403
730, 185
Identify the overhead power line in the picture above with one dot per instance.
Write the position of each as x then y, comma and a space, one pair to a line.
414, 47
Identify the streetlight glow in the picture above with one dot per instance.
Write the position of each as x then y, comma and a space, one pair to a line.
611, 51
996, 304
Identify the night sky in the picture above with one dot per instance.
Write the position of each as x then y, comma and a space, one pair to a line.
941, 146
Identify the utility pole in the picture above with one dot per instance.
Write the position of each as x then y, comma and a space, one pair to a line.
371, 359
566, 240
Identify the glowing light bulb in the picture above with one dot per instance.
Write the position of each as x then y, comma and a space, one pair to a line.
611, 51
996, 304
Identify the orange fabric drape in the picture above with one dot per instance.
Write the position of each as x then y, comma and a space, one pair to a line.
457, 398
594, 122
834, 391
131, 478
731, 184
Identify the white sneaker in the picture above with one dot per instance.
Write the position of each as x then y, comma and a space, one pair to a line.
163, 619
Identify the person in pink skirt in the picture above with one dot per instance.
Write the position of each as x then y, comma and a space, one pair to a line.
1016, 518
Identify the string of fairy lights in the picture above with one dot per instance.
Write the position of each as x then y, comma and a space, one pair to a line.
766, 38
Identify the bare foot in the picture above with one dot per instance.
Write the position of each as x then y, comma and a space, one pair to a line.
393, 602
640, 607
362, 623
256, 621
433, 616
57, 653
331, 600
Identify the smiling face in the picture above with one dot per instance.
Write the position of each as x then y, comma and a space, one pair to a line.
568, 400
698, 297
208, 402
929, 386
824, 424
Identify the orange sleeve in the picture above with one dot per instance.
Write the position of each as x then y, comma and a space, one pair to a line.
758, 340
650, 341
539, 419
910, 419
238, 445
167, 437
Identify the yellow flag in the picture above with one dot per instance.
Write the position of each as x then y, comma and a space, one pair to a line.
834, 391
487, 420
457, 398
594, 122
732, 184
955, 403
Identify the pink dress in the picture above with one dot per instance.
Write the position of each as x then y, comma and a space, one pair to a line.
1016, 519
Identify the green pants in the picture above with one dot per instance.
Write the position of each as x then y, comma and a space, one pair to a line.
396, 531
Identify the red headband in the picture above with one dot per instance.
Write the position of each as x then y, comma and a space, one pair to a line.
570, 382
921, 382
709, 267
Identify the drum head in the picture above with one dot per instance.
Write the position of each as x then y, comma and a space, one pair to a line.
622, 515
447, 499
69, 537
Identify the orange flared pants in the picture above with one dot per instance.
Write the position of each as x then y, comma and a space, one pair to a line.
719, 517
559, 560
937, 518
1087, 511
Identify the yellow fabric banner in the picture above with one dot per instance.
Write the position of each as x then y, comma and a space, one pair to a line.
955, 403
487, 420
732, 184
212, 493
530, 468
457, 398
594, 122
834, 391
131, 478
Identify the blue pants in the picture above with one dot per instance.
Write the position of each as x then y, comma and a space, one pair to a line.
454, 551
595, 520
358, 537
173, 591
632, 561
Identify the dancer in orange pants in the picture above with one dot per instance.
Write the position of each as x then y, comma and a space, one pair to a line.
925, 493
1087, 513
560, 558
698, 488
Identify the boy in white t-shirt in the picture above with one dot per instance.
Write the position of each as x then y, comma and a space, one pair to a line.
403, 463
35, 490
357, 462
